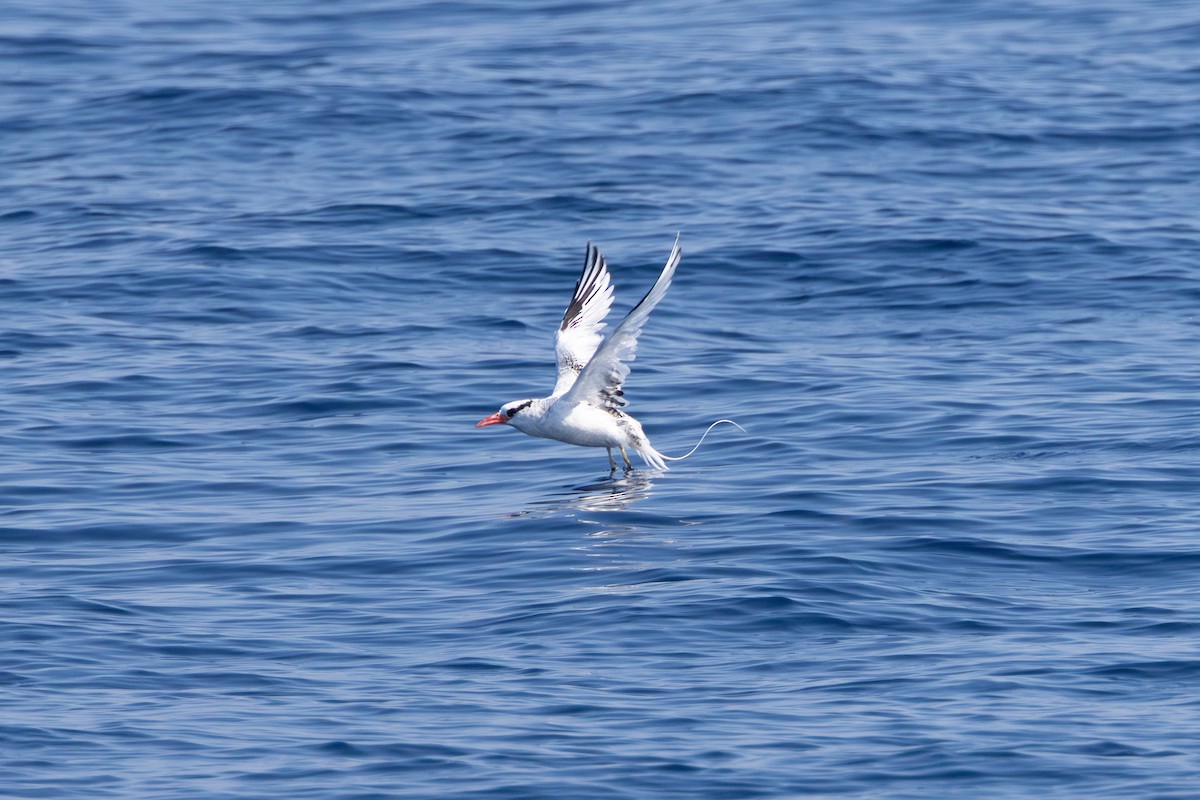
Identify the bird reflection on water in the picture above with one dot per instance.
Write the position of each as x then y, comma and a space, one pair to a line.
616, 493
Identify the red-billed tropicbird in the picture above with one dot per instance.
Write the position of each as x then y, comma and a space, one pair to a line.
585, 407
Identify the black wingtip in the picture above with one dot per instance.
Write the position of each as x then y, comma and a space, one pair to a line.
585, 285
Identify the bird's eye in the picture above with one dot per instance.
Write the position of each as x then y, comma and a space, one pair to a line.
512, 412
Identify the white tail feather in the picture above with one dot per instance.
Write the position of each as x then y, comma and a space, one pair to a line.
655, 458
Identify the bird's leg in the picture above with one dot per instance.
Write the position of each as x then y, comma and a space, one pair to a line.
612, 465
628, 466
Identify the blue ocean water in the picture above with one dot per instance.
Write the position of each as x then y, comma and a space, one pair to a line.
262, 267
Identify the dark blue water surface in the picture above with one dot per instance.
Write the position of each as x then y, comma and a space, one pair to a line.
262, 266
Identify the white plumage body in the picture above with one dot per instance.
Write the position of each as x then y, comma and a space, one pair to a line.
581, 424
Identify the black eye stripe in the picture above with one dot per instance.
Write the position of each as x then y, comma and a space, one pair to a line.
512, 412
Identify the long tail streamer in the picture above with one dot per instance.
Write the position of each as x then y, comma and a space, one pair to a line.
697, 447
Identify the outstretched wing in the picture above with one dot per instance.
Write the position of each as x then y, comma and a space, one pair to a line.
579, 334
600, 381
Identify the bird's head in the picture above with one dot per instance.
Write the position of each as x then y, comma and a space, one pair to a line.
506, 414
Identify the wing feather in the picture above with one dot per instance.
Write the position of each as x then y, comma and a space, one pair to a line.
579, 334
600, 382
